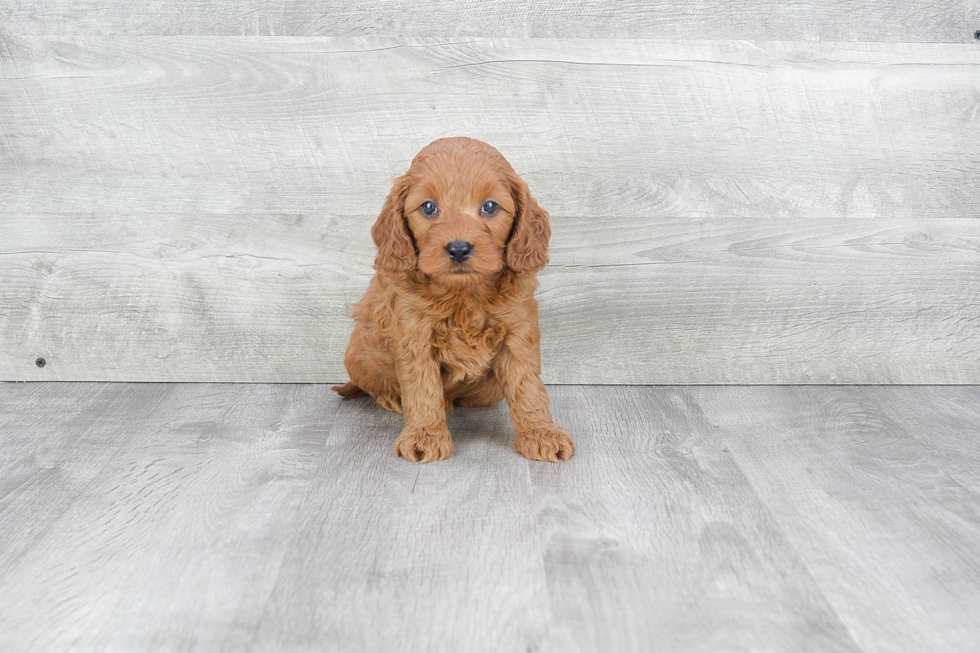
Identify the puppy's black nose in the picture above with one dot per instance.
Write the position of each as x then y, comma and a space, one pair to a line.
459, 250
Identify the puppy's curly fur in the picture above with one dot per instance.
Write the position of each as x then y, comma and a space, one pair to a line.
433, 330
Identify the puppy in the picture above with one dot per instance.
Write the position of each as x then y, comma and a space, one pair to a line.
450, 315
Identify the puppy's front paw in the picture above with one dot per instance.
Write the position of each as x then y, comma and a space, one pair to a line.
424, 444
547, 442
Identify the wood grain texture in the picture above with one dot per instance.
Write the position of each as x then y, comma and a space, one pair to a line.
198, 208
732, 300
793, 20
654, 539
632, 128
272, 517
866, 500
397, 556
149, 517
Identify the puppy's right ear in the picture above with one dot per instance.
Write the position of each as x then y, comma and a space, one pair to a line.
396, 248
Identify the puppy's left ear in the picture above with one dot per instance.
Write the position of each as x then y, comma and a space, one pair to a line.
527, 247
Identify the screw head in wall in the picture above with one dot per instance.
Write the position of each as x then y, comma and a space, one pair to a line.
40, 362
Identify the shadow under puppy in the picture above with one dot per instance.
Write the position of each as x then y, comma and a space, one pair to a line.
450, 315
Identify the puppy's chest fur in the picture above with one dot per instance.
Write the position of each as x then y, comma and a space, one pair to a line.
465, 339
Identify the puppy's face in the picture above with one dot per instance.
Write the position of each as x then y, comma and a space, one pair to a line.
460, 216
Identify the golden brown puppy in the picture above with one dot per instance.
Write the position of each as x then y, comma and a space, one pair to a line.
450, 314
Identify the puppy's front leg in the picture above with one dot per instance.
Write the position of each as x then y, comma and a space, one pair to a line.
517, 367
425, 437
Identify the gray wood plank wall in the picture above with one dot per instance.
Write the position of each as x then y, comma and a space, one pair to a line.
943, 21
181, 205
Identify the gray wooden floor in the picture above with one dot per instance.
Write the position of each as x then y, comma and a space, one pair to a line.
274, 517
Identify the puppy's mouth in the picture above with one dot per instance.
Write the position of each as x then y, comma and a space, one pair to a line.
456, 268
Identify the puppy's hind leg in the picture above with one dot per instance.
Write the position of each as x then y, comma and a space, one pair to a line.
349, 390
382, 390
387, 398
372, 373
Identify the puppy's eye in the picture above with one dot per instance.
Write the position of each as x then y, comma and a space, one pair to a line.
428, 208
489, 208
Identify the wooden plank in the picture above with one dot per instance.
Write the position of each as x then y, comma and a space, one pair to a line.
57, 438
731, 300
889, 535
834, 20
737, 301
129, 125
138, 517
184, 298
653, 538
942, 419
